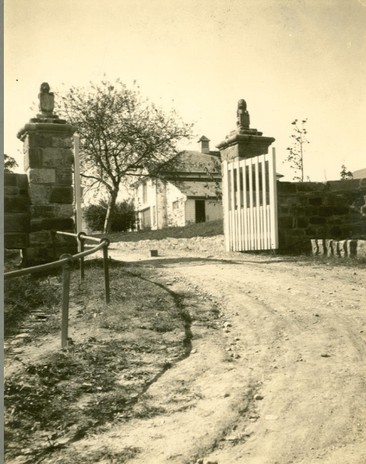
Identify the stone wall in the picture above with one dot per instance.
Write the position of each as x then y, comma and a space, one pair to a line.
16, 211
48, 160
334, 210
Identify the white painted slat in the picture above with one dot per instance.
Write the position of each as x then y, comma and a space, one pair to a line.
239, 209
251, 206
245, 206
273, 199
225, 204
248, 226
264, 202
232, 211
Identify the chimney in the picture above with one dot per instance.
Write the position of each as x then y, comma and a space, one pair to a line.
205, 144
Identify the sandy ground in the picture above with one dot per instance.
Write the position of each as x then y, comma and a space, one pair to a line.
280, 380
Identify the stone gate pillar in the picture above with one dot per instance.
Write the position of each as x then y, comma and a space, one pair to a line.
244, 142
48, 161
248, 187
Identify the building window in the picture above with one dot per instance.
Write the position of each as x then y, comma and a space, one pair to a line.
175, 205
144, 192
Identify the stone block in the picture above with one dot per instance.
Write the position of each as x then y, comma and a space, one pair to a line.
22, 181
299, 210
64, 240
296, 232
309, 187
317, 220
38, 140
11, 190
57, 157
16, 240
40, 194
329, 247
66, 210
61, 195
40, 238
43, 211
42, 176
33, 159
66, 224
311, 211
64, 176
342, 248
326, 211
314, 246
315, 201
340, 210
351, 247
290, 200
285, 222
302, 222
286, 187
361, 249
335, 248
17, 222
311, 232
39, 255
335, 231
344, 185
16, 204
321, 247
10, 179
62, 142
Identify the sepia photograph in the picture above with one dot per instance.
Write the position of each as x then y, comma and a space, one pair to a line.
184, 232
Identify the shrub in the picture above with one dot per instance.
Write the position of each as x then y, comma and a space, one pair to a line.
123, 217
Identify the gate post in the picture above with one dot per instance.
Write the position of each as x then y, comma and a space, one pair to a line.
48, 159
241, 144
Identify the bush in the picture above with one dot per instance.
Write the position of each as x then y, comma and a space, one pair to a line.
123, 217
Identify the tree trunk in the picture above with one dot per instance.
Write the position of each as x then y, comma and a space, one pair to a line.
110, 211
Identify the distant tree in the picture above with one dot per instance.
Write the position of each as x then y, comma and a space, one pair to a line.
121, 135
9, 163
345, 174
296, 151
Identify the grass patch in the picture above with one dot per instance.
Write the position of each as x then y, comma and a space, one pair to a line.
102, 454
26, 293
65, 395
203, 229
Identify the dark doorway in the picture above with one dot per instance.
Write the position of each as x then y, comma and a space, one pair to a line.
200, 211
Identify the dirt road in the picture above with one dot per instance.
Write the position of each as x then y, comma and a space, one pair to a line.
280, 379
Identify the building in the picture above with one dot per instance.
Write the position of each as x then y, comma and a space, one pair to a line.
191, 195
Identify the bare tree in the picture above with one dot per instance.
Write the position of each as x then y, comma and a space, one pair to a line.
121, 135
297, 150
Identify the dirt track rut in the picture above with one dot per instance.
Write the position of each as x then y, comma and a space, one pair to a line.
281, 380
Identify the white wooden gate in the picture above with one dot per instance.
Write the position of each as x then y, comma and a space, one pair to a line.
250, 203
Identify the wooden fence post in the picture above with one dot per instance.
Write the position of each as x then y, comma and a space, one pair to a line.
106, 270
65, 300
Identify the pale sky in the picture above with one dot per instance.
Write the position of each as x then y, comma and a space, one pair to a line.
287, 58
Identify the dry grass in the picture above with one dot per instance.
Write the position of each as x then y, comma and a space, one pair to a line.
69, 394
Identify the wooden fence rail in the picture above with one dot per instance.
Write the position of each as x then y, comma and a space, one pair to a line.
65, 262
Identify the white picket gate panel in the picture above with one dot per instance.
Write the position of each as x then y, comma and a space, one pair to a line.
250, 203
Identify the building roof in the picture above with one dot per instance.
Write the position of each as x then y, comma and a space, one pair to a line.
197, 188
195, 161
